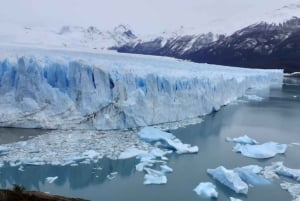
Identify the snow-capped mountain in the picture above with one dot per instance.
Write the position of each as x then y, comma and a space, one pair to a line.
261, 45
72, 37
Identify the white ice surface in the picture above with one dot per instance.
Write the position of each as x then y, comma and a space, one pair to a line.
250, 176
206, 189
59, 89
266, 150
131, 152
293, 189
242, 140
281, 170
168, 140
154, 177
229, 178
69, 147
50, 180
234, 199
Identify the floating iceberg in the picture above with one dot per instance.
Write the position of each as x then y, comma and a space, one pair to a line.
281, 170
168, 140
254, 98
60, 89
242, 140
166, 169
131, 152
293, 189
229, 178
253, 168
154, 177
50, 180
206, 189
266, 150
250, 177
234, 199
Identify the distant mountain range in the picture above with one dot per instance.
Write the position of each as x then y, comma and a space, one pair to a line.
260, 45
66, 37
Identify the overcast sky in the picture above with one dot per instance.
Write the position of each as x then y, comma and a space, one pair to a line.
141, 15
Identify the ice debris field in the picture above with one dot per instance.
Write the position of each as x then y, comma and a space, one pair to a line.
57, 89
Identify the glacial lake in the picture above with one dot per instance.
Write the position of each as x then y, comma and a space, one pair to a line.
276, 118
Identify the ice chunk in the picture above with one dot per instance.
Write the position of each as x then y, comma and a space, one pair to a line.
50, 180
151, 134
266, 150
253, 168
206, 189
282, 170
254, 98
4, 149
249, 177
242, 140
140, 166
234, 199
168, 140
131, 152
293, 189
154, 177
229, 178
166, 169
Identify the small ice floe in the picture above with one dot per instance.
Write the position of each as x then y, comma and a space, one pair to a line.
251, 177
293, 189
166, 169
91, 154
254, 98
112, 175
4, 149
21, 168
295, 143
229, 178
131, 152
234, 199
168, 140
154, 177
242, 140
97, 168
253, 168
294, 96
206, 189
50, 180
282, 170
266, 150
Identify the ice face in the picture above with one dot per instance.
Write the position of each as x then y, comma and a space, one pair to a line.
206, 189
266, 150
167, 140
58, 89
242, 140
229, 178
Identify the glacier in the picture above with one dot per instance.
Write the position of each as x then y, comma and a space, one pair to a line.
68, 89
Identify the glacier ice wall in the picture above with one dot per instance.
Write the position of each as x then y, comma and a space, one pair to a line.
59, 89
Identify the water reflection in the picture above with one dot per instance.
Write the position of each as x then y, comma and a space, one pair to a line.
79, 176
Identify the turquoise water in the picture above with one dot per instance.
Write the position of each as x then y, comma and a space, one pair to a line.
276, 118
